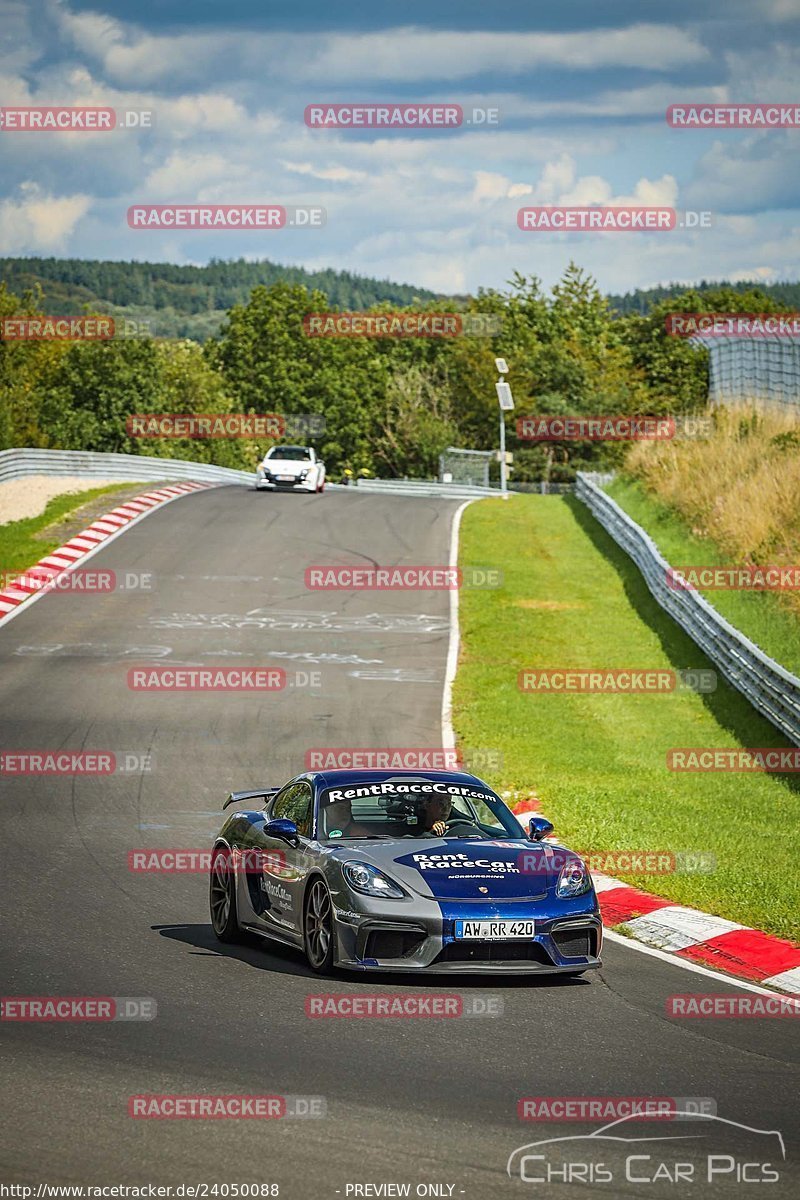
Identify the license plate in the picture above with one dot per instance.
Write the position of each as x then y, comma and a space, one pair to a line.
285, 478
494, 931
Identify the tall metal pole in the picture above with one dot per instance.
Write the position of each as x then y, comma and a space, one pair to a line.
503, 473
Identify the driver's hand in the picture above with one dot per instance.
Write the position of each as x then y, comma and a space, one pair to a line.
439, 828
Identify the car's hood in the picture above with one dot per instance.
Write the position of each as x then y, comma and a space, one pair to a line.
457, 869
286, 466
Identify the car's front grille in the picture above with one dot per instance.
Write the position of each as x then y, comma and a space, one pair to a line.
488, 952
576, 943
392, 943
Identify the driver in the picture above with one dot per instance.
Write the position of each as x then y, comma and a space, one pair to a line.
434, 813
339, 822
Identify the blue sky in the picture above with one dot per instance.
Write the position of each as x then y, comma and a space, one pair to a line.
581, 90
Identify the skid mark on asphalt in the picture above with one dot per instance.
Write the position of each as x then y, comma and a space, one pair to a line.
688, 1029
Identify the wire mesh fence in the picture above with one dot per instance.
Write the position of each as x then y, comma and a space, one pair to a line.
764, 369
465, 466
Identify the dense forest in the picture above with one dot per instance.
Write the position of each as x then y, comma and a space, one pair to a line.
390, 404
185, 301
787, 295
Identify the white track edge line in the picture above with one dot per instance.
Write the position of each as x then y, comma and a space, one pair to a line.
686, 965
448, 742
448, 734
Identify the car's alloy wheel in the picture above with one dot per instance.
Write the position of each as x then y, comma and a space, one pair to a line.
222, 898
318, 928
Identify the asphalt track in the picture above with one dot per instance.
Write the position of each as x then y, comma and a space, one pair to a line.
408, 1101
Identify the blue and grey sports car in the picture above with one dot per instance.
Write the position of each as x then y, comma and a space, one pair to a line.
402, 871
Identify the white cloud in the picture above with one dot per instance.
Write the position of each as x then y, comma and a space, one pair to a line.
39, 221
334, 174
416, 54
392, 55
747, 174
560, 184
649, 101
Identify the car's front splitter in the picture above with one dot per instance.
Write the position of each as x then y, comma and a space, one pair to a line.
427, 943
477, 968
285, 487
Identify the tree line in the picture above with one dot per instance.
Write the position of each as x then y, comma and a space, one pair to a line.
390, 404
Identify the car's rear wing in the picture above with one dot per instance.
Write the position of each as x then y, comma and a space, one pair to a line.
257, 794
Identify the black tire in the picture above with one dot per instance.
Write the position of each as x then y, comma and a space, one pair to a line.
318, 935
222, 897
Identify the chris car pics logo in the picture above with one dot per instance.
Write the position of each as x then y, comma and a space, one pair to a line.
706, 1150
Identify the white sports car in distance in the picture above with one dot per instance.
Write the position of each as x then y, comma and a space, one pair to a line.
291, 469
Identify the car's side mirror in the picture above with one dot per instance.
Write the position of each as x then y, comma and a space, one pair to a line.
538, 828
282, 828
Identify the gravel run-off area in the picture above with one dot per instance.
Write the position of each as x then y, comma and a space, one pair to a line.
28, 497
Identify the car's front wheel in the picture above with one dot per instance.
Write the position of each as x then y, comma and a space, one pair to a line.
318, 928
222, 897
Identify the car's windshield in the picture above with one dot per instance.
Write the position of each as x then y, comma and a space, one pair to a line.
294, 453
414, 808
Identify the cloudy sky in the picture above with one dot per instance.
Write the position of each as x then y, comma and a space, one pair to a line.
581, 91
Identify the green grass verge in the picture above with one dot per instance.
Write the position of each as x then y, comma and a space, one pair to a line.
20, 548
571, 597
759, 615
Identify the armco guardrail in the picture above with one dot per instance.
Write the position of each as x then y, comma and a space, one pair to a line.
769, 687
424, 487
16, 464
466, 491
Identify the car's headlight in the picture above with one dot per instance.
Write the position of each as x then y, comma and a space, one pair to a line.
574, 879
370, 881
